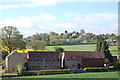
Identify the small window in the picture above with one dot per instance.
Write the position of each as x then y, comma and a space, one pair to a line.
73, 65
53, 59
70, 57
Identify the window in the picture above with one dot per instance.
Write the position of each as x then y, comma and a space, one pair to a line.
73, 65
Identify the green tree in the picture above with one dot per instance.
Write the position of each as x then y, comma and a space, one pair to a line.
103, 46
66, 31
119, 46
12, 39
116, 65
82, 31
4, 54
59, 49
99, 43
36, 45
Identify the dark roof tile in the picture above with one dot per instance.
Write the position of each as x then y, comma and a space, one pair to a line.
83, 54
36, 55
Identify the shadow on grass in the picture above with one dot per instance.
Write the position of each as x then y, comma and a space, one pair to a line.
60, 79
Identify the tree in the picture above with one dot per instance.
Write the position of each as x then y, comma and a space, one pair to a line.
37, 45
82, 31
66, 31
12, 39
59, 49
103, 46
119, 46
99, 43
4, 54
116, 65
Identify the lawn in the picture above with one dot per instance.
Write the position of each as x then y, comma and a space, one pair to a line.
80, 75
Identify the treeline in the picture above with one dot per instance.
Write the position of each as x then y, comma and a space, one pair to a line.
71, 38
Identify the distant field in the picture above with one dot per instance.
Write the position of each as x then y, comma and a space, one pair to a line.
89, 47
80, 75
83, 47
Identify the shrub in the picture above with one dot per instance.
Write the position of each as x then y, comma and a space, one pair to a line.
19, 68
95, 69
3, 66
61, 71
116, 65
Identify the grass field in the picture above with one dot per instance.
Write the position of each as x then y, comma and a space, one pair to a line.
80, 75
89, 47
82, 47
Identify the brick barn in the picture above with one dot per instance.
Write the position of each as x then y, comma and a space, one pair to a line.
36, 60
82, 59
43, 60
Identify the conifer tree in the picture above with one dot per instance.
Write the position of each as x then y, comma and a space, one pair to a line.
103, 46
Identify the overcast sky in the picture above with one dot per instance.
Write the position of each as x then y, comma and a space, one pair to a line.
44, 16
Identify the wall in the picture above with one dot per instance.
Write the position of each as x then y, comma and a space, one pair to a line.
43, 65
12, 60
87, 62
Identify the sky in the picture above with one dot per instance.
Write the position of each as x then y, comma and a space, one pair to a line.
44, 16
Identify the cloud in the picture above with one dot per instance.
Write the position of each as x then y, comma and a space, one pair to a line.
37, 3
31, 24
95, 19
47, 17
96, 23
46, 22
58, 0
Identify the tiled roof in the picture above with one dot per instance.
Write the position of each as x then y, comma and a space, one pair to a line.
35, 55
11, 54
24, 54
83, 54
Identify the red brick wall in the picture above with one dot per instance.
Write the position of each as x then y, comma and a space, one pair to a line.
87, 62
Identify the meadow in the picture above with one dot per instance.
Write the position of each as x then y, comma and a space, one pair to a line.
82, 47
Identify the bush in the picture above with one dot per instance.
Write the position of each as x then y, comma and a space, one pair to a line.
61, 71
116, 65
95, 69
3, 66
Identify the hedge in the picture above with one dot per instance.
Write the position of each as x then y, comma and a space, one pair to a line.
116, 65
40, 72
95, 69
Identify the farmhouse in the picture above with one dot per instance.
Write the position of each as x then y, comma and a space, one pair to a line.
35, 60
13, 59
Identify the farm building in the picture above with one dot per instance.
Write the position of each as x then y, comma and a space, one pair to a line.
43, 60
82, 59
35, 60
13, 59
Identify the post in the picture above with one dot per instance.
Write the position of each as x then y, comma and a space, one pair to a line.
43, 63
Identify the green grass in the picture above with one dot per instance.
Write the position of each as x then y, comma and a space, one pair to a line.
9, 73
80, 75
89, 47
